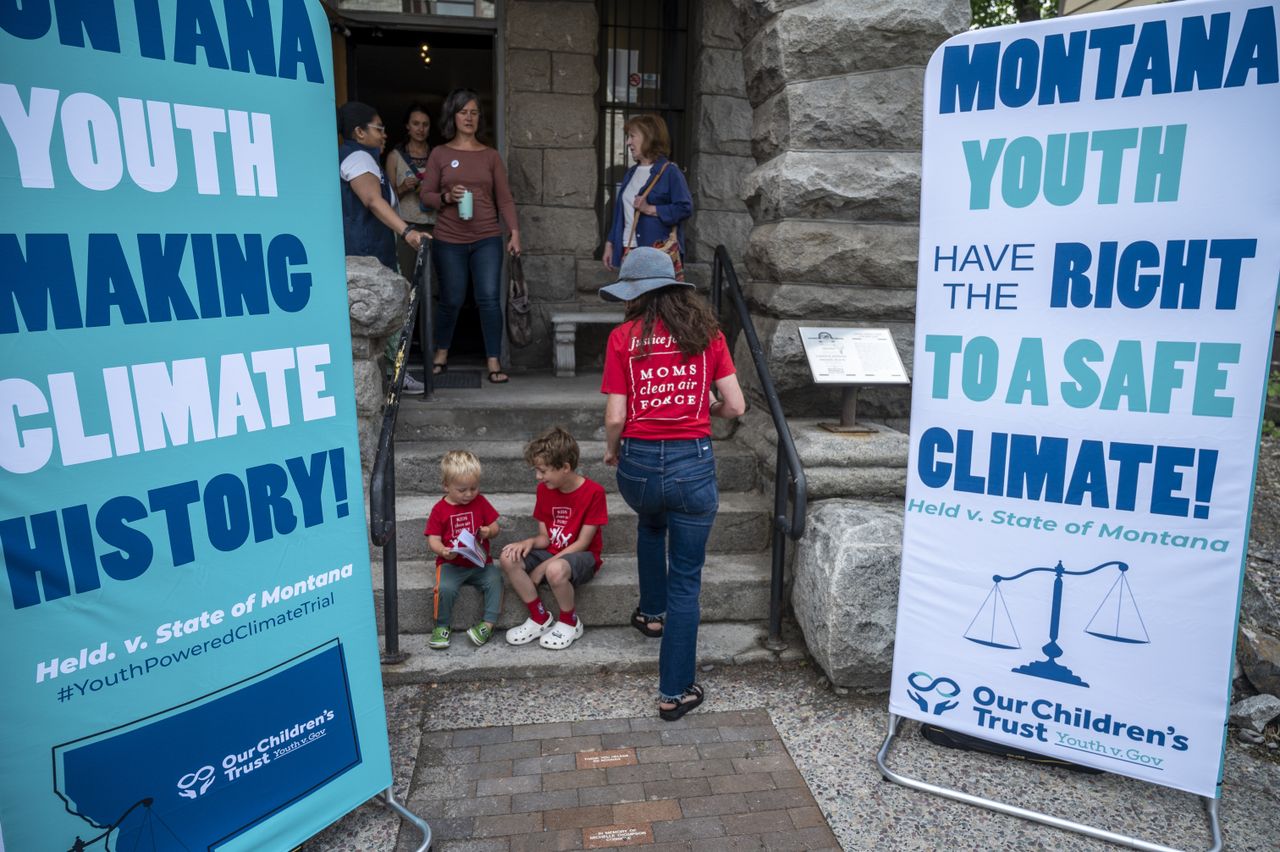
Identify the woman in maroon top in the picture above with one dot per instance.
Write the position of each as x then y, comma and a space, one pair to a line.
468, 248
660, 368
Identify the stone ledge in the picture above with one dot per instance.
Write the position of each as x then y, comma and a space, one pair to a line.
857, 466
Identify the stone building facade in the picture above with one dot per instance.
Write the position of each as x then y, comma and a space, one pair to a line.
804, 160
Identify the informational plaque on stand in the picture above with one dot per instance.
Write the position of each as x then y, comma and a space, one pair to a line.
852, 357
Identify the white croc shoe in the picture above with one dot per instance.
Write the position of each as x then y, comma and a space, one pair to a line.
529, 631
561, 636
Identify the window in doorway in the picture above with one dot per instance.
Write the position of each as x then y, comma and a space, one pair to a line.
644, 66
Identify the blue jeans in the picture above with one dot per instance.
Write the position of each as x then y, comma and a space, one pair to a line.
481, 264
672, 487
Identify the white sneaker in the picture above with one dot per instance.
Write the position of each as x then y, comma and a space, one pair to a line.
412, 385
529, 631
561, 636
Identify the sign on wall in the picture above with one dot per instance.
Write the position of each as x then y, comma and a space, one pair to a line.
1099, 253
187, 647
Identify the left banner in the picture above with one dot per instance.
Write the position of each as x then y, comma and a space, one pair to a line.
187, 644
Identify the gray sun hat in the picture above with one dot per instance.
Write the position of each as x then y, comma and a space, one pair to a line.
643, 270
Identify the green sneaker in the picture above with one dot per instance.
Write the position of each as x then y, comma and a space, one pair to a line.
439, 638
480, 633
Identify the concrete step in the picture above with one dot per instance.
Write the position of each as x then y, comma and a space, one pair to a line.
418, 465
734, 588
518, 410
601, 649
742, 526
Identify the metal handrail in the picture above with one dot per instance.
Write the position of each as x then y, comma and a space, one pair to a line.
785, 525
382, 480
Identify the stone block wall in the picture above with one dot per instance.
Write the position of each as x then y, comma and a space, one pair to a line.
720, 159
552, 123
835, 88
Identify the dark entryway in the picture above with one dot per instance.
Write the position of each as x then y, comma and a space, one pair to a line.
387, 68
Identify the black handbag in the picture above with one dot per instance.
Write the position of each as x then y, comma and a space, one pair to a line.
519, 316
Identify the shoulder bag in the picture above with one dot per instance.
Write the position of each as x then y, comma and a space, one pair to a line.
669, 246
519, 317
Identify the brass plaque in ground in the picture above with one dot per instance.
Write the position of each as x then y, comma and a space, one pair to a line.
605, 759
601, 837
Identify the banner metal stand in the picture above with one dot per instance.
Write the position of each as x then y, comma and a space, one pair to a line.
388, 798
1211, 805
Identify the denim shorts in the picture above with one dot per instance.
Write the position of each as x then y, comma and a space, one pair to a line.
582, 565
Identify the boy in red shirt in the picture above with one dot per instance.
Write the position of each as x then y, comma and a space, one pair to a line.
462, 509
570, 510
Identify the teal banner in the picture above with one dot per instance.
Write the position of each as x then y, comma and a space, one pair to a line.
187, 645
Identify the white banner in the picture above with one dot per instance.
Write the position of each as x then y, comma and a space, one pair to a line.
1099, 250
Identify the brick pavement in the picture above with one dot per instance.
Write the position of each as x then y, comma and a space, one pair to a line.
711, 781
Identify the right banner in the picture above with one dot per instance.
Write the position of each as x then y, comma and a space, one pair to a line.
1098, 268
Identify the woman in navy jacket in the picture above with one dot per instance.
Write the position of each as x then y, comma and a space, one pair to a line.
668, 204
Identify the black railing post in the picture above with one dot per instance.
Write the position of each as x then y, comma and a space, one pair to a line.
390, 584
788, 477
779, 561
382, 479
422, 275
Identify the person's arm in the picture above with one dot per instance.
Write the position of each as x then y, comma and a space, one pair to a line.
430, 191
615, 417
437, 546
490, 529
520, 549
368, 189
404, 178
583, 540
681, 205
731, 402
505, 203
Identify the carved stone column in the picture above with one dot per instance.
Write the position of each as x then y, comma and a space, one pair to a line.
836, 88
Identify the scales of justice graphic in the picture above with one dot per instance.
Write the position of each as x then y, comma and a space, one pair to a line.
1116, 619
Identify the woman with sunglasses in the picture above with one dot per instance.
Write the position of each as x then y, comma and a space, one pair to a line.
370, 221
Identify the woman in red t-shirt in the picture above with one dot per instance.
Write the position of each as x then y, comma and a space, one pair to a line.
661, 366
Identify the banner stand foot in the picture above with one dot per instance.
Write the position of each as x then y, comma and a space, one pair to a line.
1211, 805
389, 799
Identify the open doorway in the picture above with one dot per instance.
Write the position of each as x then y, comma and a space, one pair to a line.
390, 68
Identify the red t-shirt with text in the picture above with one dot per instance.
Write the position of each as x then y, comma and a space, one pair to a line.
668, 395
448, 521
564, 514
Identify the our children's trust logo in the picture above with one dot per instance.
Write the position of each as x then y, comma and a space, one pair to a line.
944, 688
194, 784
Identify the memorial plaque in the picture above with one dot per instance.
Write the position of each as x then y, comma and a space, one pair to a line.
606, 836
605, 759
853, 356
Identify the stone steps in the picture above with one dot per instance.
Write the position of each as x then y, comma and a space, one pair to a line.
518, 410
742, 525
735, 587
601, 649
418, 465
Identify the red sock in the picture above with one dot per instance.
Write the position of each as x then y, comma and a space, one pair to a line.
569, 617
537, 611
